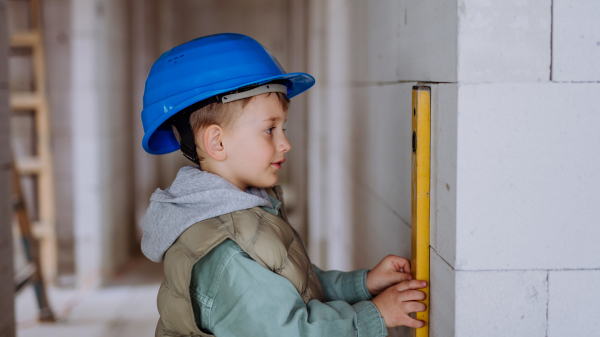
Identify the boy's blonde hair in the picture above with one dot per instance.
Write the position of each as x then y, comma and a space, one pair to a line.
223, 115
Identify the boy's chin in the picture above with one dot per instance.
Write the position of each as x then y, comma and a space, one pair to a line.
265, 183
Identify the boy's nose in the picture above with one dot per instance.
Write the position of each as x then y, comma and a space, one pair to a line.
285, 146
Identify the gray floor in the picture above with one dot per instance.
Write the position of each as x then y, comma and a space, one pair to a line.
125, 307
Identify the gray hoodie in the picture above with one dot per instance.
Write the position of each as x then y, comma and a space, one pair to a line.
194, 196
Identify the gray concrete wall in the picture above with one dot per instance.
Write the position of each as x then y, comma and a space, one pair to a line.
366, 56
7, 318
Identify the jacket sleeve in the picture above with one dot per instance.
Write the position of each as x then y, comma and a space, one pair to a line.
254, 301
349, 287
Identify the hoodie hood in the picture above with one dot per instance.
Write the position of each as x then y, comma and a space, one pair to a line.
194, 196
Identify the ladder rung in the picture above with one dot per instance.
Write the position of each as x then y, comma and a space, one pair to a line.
40, 229
24, 101
29, 165
24, 275
25, 39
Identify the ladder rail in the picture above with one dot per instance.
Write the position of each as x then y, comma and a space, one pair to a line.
40, 164
39, 241
32, 273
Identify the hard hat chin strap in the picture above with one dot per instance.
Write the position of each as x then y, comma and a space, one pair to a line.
181, 120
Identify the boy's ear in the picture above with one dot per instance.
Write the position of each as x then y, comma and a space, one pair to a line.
212, 138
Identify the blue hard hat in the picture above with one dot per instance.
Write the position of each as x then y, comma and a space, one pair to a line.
201, 69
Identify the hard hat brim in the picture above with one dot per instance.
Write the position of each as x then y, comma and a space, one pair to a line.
160, 139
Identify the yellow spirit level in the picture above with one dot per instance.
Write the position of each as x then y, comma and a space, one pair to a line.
420, 173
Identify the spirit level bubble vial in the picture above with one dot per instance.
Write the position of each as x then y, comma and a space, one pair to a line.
420, 173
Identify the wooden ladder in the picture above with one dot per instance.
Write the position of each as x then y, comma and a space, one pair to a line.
38, 165
32, 272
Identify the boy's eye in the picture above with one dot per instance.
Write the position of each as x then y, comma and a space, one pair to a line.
269, 130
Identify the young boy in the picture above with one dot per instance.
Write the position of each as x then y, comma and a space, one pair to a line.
233, 264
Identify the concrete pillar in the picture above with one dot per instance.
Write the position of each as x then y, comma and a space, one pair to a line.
145, 50
7, 319
101, 135
330, 168
56, 22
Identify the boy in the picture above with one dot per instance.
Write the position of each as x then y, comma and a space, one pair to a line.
233, 264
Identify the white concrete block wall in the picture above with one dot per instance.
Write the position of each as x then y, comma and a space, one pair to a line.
575, 40
513, 171
405, 40
443, 170
365, 61
527, 181
442, 301
501, 303
503, 41
427, 41
526, 176
573, 303
381, 192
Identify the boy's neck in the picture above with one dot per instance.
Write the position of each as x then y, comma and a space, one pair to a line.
223, 173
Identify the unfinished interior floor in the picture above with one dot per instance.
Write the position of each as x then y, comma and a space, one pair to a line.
126, 306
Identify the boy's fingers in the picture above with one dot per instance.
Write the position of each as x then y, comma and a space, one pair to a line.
404, 277
415, 323
400, 264
412, 295
415, 306
412, 284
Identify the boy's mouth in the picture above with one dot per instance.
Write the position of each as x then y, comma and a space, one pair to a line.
277, 164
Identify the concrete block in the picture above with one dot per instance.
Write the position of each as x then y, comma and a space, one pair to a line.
389, 41
527, 180
383, 137
442, 302
426, 40
361, 165
574, 303
501, 303
443, 170
575, 40
375, 40
504, 41
385, 234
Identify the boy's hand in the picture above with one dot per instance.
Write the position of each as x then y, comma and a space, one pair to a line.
397, 301
391, 270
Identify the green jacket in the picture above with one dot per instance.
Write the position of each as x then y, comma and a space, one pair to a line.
259, 289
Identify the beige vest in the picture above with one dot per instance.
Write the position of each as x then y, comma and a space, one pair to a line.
266, 246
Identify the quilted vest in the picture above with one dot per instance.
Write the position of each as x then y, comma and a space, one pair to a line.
266, 238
